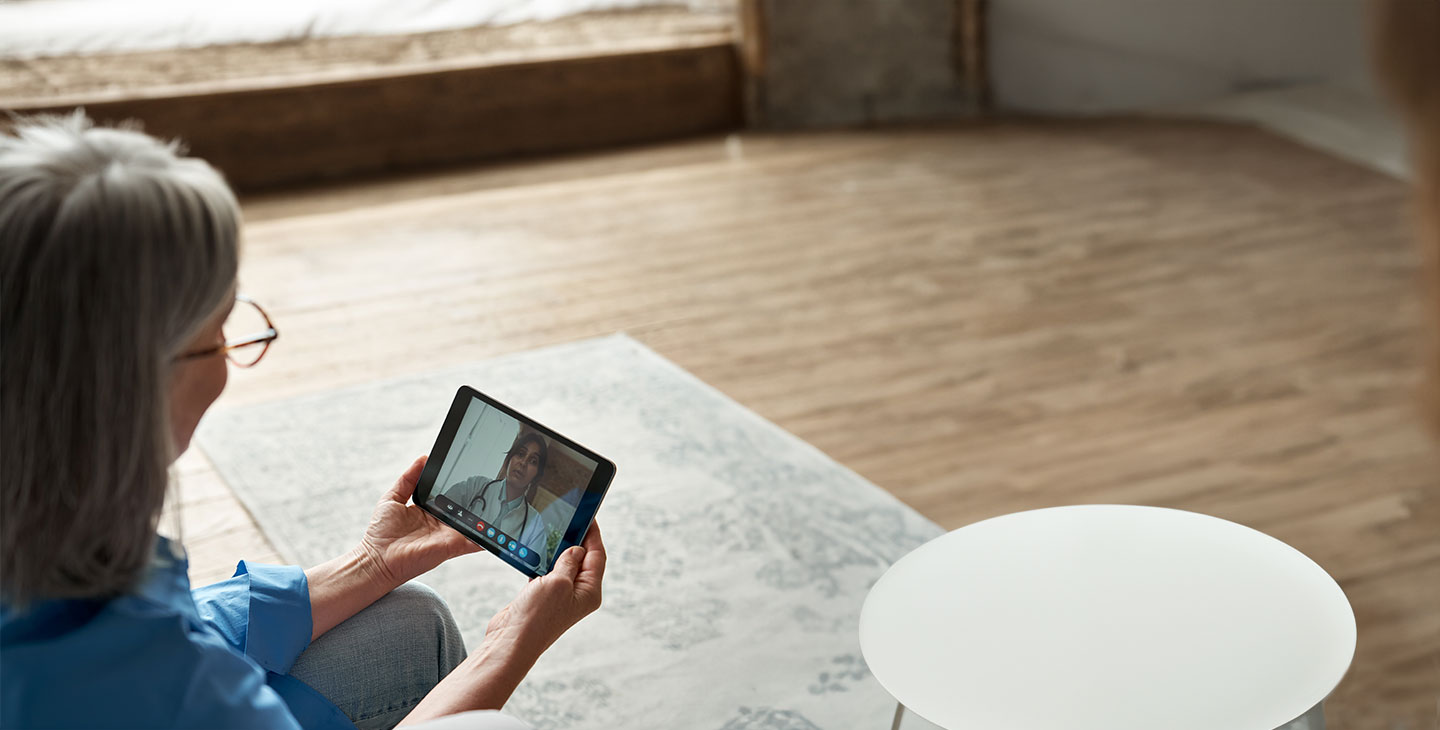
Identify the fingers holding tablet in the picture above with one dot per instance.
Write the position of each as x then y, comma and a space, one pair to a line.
549, 605
592, 567
405, 485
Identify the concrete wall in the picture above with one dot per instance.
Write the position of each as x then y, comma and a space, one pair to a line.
1090, 56
855, 62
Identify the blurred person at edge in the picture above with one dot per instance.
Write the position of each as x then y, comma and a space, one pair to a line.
118, 261
1405, 41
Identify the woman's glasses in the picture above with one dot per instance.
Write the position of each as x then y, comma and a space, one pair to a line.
247, 334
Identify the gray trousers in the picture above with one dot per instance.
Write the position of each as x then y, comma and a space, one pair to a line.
377, 665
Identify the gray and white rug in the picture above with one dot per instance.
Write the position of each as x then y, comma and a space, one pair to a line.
739, 554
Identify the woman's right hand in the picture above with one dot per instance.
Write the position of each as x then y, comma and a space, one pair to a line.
545, 609
549, 605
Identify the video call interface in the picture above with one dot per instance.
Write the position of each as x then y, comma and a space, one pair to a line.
511, 485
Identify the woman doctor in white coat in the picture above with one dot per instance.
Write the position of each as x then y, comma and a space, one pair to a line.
505, 503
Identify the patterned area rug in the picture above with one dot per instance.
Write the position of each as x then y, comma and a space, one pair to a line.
739, 554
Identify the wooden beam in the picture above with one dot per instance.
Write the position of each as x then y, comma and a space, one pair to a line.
753, 57
284, 134
970, 51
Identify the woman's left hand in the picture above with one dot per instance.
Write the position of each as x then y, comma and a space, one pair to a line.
404, 541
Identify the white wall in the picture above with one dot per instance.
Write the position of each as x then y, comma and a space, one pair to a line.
1090, 56
479, 447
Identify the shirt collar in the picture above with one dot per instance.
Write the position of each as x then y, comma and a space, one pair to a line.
509, 504
166, 582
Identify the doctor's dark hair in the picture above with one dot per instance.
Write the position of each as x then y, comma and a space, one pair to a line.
519, 448
115, 251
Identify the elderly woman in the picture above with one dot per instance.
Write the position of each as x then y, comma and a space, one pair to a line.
118, 262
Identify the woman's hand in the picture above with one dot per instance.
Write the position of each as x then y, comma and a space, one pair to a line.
404, 541
520, 633
549, 605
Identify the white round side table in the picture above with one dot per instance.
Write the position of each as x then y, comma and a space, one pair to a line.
1107, 617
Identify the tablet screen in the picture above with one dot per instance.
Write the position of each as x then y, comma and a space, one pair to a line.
512, 486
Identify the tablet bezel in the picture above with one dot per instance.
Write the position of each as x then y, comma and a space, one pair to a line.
585, 511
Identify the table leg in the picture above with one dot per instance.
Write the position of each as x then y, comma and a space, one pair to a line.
1312, 720
899, 715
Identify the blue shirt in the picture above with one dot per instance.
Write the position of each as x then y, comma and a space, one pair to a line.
166, 656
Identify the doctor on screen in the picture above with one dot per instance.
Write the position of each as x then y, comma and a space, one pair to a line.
505, 502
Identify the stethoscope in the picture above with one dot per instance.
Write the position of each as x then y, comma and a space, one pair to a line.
484, 503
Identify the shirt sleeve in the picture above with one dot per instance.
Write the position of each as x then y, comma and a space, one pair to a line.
262, 611
462, 492
224, 692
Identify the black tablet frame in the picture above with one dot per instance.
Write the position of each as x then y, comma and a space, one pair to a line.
584, 516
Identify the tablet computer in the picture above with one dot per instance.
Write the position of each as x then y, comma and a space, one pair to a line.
511, 485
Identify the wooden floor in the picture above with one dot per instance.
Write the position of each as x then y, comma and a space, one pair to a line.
979, 319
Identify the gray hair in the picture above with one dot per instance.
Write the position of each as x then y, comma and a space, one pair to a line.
115, 250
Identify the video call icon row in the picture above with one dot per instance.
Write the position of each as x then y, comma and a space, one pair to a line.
499, 538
